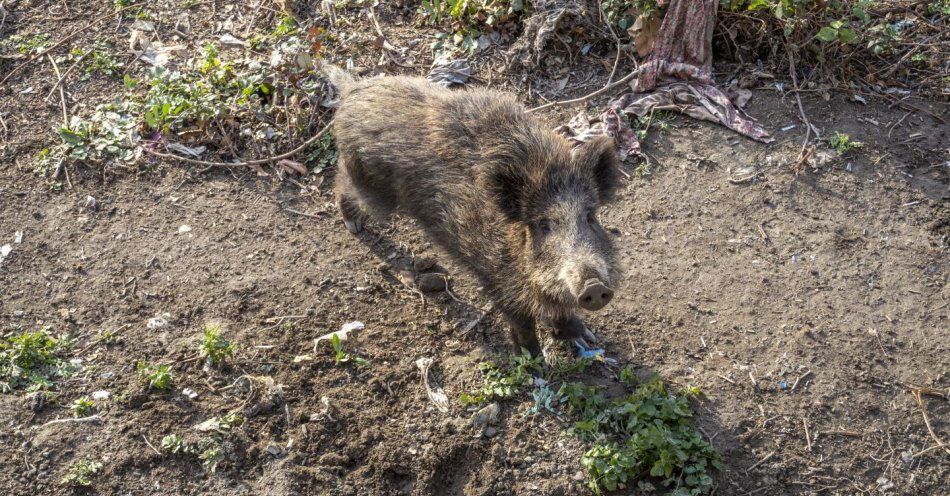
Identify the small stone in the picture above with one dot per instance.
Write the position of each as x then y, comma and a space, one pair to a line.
490, 432
430, 282
423, 264
333, 459
485, 416
578, 476
184, 229
100, 395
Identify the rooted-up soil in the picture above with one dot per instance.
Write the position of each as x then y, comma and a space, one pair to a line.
807, 307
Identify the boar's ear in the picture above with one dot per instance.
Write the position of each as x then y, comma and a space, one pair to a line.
598, 157
508, 184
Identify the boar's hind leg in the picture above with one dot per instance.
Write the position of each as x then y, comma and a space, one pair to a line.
523, 333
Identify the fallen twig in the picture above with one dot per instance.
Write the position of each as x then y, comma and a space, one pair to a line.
95, 419
61, 78
923, 412
159, 453
64, 40
760, 462
625, 79
807, 435
62, 95
802, 155
262, 161
800, 378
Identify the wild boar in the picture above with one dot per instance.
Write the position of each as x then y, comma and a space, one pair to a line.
502, 194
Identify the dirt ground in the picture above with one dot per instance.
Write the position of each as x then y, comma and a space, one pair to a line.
808, 307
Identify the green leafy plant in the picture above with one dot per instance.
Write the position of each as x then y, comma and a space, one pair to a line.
211, 457
469, 18
623, 13
26, 43
837, 31
343, 357
83, 406
941, 7
32, 360
646, 432
504, 382
213, 346
842, 143
82, 472
174, 444
155, 376
322, 154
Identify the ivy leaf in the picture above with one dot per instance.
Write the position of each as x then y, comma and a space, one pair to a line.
847, 36
827, 34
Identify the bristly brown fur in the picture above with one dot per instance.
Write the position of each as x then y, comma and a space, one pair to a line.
478, 174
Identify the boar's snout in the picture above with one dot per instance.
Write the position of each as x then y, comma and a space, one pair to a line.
596, 295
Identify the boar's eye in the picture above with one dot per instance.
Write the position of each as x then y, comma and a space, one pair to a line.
544, 227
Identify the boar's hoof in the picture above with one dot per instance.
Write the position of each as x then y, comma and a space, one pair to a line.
353, 226
595, 295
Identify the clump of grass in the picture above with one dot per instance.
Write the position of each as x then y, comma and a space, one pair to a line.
842, 143
82, 472
32, 360
213, 346
155, 376
504, 382
83, 406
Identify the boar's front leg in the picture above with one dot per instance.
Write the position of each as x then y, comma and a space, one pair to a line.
572, 328
523, 333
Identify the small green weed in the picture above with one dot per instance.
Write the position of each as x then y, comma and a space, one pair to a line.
211, 457
97, 59
175, 444
83, 407
82, 472
343, 357
26, 43
213, 346
32, 360
155, 376
106, 337
322, 154
941, 7
504, 382
842, 143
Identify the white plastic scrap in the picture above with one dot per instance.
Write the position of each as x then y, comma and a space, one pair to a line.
4, 251
100, 395
158, 321
344, 333
435, 392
